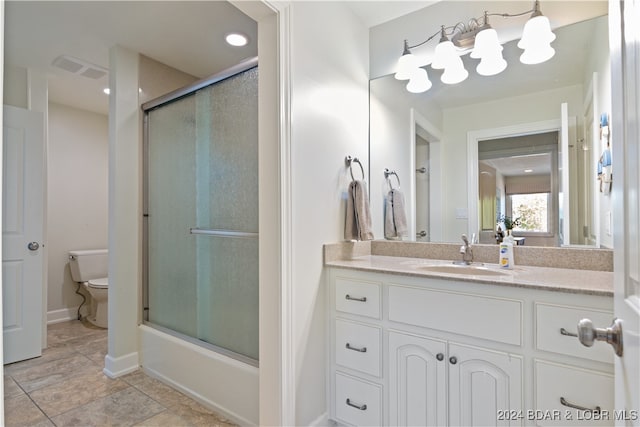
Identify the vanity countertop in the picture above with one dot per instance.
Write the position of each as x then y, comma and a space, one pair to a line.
568, 280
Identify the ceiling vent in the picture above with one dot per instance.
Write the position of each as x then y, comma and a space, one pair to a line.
79, 67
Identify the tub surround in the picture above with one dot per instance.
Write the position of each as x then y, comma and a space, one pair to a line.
586, 271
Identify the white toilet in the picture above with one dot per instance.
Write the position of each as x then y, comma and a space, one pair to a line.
90, 268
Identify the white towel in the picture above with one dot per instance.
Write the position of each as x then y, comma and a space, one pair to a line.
358, 220
395, 217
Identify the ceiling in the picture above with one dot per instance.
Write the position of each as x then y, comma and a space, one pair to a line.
373, 13
188, 36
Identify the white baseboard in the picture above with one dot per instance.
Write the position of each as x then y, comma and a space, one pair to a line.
322, 421
115, 367
63, 315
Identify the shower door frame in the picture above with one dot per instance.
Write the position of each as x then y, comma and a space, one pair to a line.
147, 107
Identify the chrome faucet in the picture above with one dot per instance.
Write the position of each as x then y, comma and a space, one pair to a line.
466, 250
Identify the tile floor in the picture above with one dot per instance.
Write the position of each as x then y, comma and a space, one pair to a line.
66, 387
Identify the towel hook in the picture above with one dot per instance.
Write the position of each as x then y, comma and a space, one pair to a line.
349, 162
387, 172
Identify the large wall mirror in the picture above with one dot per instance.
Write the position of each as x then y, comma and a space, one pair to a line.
524, 143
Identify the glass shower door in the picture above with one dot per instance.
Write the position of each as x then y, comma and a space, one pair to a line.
202, 215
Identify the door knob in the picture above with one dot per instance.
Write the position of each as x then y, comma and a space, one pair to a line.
587, 334
421, 233
33, 246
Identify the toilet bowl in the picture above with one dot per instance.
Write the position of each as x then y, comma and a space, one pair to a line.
98, 289
89, 268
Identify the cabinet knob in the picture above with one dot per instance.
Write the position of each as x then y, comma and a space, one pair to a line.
453, 360
440, 356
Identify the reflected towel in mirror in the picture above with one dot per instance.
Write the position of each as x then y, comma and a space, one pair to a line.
358, 221
395, 217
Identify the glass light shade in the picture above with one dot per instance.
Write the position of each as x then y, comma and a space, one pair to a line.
536, 41
419, 81
537, 54
486, 44
490, 65
455, 72
407, 65
536, 31
445, 53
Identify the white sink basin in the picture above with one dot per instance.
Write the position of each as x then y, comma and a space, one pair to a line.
470, 270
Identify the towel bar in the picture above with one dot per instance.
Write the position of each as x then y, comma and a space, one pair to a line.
349, 162
222, 233
387, 172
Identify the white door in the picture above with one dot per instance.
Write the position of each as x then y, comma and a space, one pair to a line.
563, 187
22, 233
625, 114
422, 189
417, 381
483, 385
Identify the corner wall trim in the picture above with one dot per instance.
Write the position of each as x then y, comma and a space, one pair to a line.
115, 367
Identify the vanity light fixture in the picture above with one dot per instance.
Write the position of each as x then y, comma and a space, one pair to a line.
479, 37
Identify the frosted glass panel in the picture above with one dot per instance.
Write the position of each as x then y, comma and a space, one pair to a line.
172, 209
203, 175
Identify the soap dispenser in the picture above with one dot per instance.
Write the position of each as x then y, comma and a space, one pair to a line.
506, 254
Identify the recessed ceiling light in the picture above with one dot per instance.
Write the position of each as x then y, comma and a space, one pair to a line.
236, 39
528, 170
106, 90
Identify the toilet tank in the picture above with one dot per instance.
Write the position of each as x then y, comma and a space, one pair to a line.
89, 264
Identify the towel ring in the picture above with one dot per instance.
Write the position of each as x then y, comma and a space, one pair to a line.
387, 172
349, 162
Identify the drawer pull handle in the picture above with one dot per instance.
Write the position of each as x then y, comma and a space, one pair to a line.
361, 350
353, 405
350, 298
564, 332
578, 407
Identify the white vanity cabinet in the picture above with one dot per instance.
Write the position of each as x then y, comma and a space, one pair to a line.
418, 351
432, 382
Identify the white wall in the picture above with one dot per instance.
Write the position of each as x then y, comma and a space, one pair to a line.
602, 66
329, 65
15, 86
77, 199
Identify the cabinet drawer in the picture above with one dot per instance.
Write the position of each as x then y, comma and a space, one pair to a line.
550, 319
585, 388
358, 346
495, 319
358, 297
358, 402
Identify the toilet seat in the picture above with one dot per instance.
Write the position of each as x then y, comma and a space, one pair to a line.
101, 283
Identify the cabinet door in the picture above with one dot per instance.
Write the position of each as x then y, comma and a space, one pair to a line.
485, 387
417, 381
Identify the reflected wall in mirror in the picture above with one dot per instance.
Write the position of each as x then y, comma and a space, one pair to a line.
451, 120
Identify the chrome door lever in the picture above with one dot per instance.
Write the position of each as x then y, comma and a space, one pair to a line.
587, 334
